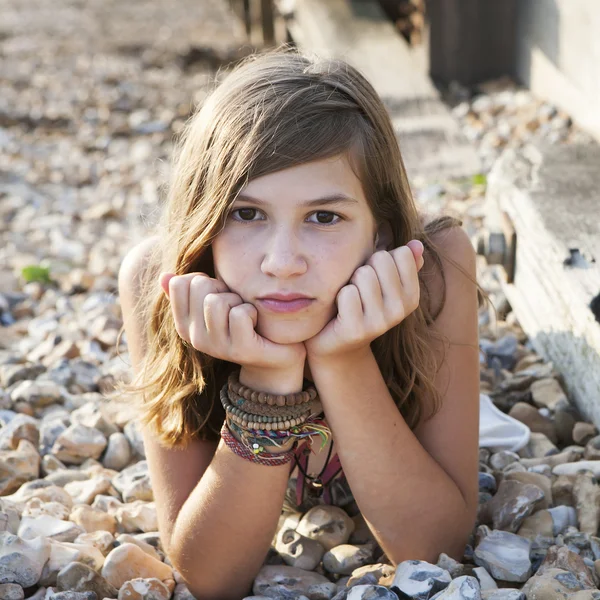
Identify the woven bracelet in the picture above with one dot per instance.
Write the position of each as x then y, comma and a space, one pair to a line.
264, 458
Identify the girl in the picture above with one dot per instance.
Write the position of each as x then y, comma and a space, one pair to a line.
291, 260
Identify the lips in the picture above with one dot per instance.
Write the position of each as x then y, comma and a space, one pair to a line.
286, 297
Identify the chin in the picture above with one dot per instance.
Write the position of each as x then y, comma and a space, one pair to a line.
288, 333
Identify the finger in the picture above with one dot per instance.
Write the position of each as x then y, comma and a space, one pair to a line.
180, 304
418, 251
389, 279
350, 306
242, 321
199, 287
216, 313
407, 269
366, 280
163, 280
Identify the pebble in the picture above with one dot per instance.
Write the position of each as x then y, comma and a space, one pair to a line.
419, 579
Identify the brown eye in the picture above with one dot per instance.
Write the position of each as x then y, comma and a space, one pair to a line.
246, 214
325, 217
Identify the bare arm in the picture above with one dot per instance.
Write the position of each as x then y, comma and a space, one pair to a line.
217, 512
228, 521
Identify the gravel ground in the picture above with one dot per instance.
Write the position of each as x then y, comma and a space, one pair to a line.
92, 93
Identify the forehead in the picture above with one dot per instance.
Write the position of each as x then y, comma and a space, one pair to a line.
311, 180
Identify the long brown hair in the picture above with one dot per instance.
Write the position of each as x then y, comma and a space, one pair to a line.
273, 111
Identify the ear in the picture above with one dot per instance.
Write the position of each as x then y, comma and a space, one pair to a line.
383, 237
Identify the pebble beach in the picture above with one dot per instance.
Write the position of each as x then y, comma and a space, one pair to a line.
93, 94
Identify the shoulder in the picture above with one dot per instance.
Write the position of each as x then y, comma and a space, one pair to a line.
137, 262
139, 265
455, 273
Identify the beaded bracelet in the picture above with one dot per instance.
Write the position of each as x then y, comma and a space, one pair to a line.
260, 421
271, 399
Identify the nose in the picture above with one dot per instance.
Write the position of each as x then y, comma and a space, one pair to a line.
283, 256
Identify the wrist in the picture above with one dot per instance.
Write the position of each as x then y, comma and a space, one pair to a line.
273, 381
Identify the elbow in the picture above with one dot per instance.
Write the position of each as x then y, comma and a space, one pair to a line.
204, 583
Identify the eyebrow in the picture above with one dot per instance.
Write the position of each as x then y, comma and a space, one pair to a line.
324, 200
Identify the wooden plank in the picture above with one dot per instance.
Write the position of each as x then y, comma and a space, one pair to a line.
551, 194
359, 32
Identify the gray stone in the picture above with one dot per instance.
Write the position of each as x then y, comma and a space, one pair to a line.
461, 588
11, 591
366, 592
420, 579
78, 577
505, 555
22, 561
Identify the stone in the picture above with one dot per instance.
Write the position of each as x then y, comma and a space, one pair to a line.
18, 466
133, 483
500, 460
128, 561
275, 579
133, 433
587, 501
118, 452
534, 420
512, 503
366, 592
48, 527
562, 490
592, 449
181, 592
345, 558
79, 577
502, 594
538, 446
451, 565
85, 491
548, 393
11, 591
144, 589
571, 468
552, 584
101, 540
77, 443
382, 573
419, 579
461, 588
127, 538
21, 427
63, 553
566, 456
137, 516
486, 581
583, 432
504, 555
540, 523
560, 557
36, 508
487, 483
543, 482
297, 550
22, 561
38, 393
93, 519
327, 524
562, 517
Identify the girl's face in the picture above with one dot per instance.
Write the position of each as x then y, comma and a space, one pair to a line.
303, 230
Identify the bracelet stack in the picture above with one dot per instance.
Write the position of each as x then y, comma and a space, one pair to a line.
260, 420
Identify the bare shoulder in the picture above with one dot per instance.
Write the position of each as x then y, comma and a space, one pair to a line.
454, 244
173, 472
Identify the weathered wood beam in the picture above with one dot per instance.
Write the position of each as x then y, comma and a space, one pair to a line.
551, 195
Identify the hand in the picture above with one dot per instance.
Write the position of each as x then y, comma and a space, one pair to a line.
218, 322
380, 295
